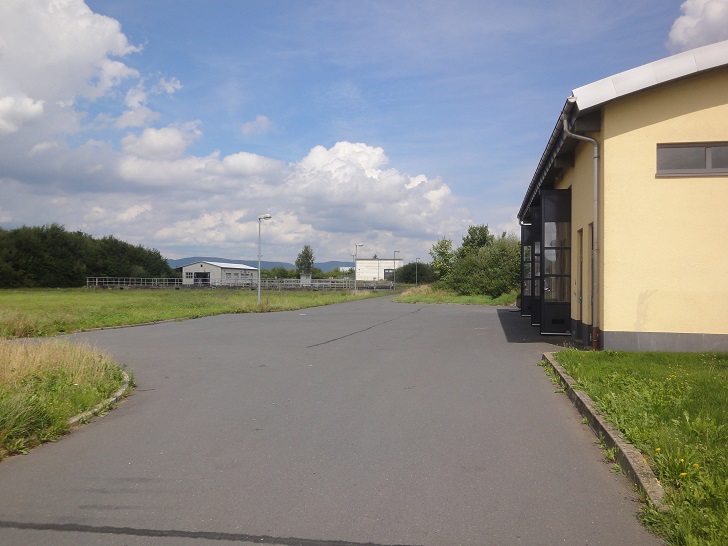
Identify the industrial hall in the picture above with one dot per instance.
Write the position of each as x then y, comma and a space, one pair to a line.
623, 223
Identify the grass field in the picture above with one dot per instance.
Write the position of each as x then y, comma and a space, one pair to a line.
674, 408
48, 312
427, 294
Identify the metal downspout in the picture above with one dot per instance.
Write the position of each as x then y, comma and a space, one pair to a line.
595, 231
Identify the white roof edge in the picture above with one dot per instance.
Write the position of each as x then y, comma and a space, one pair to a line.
225, 265
654, 73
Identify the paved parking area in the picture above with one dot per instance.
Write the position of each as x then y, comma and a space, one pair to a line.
369, 422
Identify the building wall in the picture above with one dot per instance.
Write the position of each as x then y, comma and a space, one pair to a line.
199, 268
373, 270
580, 179
218, 275
663, 238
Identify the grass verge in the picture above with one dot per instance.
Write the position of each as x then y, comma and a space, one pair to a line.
674, 408
48, 312
43, 385
429, 294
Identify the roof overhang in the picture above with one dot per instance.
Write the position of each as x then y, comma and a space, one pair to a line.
649, 75
223, 265
582, 109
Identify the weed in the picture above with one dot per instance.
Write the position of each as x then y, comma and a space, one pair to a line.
610, 454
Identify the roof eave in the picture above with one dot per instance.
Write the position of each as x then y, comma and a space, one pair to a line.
592, 96
548, 157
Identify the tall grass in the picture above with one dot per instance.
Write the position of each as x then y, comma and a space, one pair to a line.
429, 294
37, 313
674, 409
43, 385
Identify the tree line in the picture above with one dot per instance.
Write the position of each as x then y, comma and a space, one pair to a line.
484, 264
49, 256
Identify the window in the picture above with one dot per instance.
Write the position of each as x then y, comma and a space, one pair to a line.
700, 159
557, 261
188, 274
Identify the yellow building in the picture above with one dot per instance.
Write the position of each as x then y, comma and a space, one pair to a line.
623, 228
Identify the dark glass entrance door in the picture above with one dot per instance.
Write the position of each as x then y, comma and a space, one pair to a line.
556, 261
526, 270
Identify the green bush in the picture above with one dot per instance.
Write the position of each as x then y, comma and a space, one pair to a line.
491, 270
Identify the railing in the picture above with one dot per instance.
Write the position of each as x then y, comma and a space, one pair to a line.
312, 284
265, 284
131, 282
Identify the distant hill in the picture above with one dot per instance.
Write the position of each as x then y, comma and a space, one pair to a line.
325, 266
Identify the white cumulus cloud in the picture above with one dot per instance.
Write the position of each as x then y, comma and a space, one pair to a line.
60, 51
133, 212
702, 22
165, 143
260, 125
79, 148
16, 110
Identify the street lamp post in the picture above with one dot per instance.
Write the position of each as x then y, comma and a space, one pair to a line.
356, 259
417, 261
261, 217
394, 271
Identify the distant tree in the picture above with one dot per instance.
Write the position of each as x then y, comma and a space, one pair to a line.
442, 257
416, 272
501, 261
304, 262
282, 273
338, 273
477, 237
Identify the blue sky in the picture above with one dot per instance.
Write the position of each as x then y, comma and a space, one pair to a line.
175, 123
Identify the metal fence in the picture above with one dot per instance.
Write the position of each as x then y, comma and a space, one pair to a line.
131, 282
265, 284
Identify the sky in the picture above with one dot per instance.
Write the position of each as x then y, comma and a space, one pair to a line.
175, 124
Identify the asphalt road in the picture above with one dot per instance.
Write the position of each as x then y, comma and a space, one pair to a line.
362, 423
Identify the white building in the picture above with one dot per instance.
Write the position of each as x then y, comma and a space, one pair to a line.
376, 269
219, 274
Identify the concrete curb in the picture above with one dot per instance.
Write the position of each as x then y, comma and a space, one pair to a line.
631, 461
118, 395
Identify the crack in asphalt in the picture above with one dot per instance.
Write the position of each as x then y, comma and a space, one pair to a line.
203, 535
364, 329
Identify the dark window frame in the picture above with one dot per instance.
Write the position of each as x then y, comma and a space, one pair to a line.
707, 170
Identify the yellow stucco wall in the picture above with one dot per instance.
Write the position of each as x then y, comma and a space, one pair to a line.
663, 239
580, 179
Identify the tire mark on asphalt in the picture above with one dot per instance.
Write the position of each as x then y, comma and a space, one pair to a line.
364, 329
199, 535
